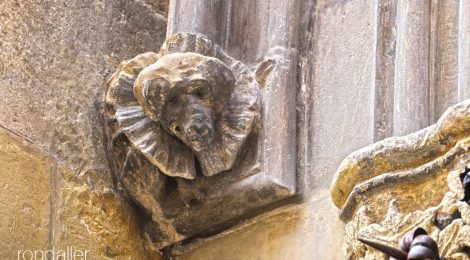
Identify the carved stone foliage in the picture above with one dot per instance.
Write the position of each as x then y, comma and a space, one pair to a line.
184, 137
389, 188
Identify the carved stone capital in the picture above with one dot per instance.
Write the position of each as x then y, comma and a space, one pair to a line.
391, 187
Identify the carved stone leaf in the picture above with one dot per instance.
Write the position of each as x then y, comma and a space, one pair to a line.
400, 164
452, 237
420, 174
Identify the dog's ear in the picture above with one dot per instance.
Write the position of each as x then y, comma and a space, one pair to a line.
275, 57
263, 70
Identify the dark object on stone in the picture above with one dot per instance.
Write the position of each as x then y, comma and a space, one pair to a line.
415, 245
443, 220
465, 179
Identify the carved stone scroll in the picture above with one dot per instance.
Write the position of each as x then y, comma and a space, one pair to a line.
391, 187
184, 135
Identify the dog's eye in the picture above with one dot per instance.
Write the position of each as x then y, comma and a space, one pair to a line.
175, 128
199, 94
172, 100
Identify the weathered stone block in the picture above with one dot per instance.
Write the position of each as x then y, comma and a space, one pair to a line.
401, 183
55, 58
24, 196
90, 216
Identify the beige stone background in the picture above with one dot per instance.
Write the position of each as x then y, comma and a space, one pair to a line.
55, 57
368, 69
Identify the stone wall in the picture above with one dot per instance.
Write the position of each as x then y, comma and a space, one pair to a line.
367, 70
54, 62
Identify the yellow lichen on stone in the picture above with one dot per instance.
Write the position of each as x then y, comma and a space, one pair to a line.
421, 159
96, 219
391, 187
24, 193
453, 238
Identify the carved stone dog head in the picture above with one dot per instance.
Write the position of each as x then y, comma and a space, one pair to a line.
189, 101
186, 93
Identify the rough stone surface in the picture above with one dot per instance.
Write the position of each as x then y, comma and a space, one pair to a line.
56, 57
446, 222
287, 233
91, 216
399, 165
25, 191
45, 206
418, 175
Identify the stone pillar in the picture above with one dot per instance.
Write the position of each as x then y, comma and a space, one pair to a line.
412, 72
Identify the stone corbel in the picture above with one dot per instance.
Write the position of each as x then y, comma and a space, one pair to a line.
186, 139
